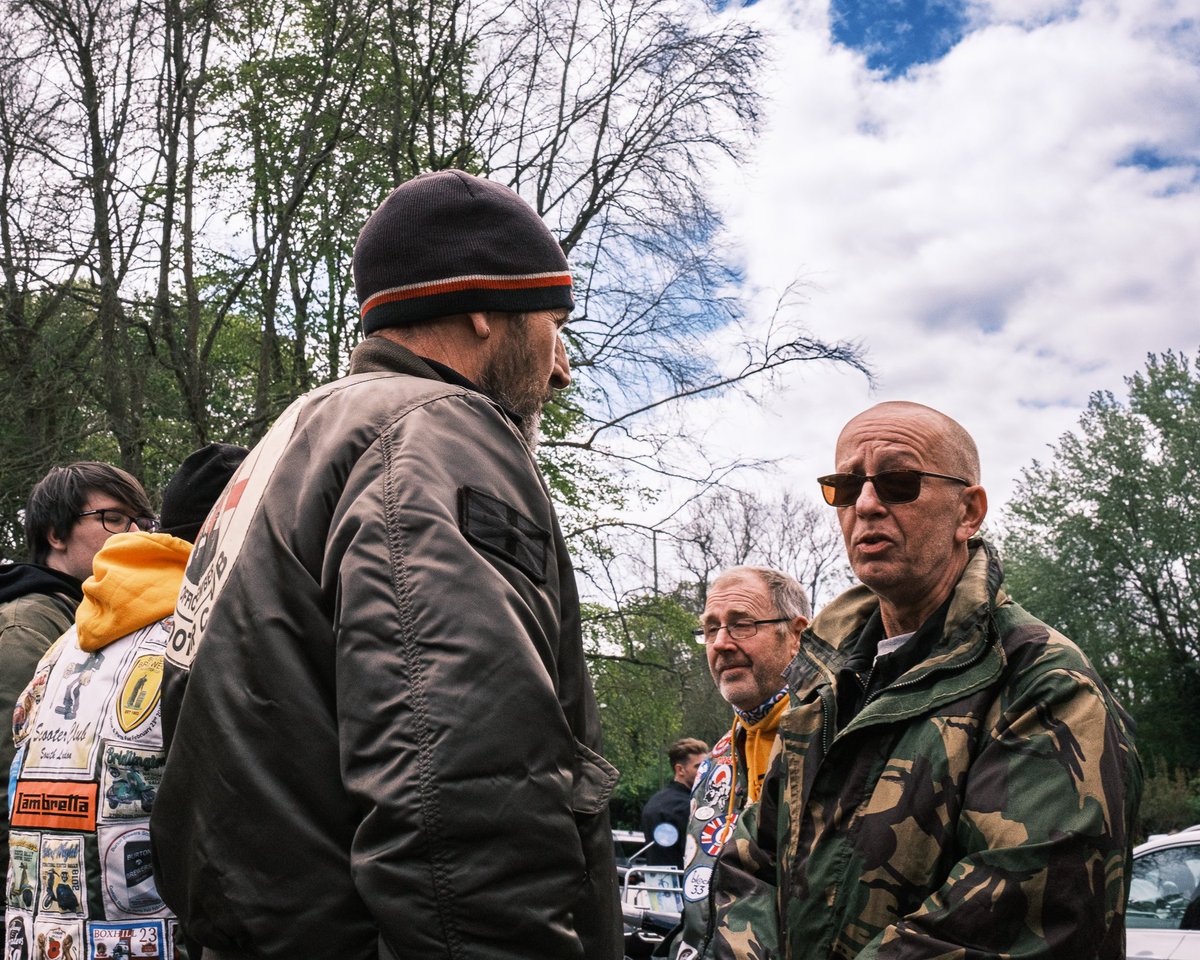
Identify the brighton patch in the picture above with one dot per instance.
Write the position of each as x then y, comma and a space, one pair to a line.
695, 884
23, 850
146, 940
716, 834
127, 874
62, 877
140, 692
54, 805
129, 780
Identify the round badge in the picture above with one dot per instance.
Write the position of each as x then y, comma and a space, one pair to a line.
687, 953
716, 834
695, 884
689, 850
705, 813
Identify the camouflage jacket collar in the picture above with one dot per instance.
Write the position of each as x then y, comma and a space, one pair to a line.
967, 651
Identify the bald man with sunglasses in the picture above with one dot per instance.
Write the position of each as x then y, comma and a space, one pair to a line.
955, 780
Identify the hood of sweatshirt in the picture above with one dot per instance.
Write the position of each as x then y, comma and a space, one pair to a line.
135, 582
21, 579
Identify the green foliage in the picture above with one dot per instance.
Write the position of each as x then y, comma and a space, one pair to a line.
1170, 801
653, 687
1103, 543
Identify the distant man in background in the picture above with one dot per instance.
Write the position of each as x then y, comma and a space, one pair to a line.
90, 733
71, 512
385, 740
751, 626
955, 780
670, 804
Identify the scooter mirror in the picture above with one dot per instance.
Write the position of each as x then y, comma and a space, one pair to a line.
666, 834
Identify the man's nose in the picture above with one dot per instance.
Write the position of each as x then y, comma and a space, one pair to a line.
868, 501
560, 375
723, 641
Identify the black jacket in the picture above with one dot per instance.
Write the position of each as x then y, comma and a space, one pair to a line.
385, 743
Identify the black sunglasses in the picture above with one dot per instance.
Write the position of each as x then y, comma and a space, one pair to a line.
891, 486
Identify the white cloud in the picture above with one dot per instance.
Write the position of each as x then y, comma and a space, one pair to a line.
972, 223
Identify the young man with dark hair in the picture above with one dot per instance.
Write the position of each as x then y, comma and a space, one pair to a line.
670, 804
71, 512
89, 733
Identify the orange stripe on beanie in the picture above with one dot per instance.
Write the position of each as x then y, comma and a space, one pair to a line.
449, 242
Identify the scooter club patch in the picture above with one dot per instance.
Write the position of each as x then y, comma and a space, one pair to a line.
716, 834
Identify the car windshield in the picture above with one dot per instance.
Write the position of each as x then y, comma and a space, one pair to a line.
1165, 889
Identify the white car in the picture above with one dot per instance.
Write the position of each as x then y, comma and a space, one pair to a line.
1162, 919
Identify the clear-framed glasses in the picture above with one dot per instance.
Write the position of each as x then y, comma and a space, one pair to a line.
891, 486
115, 521
738, 630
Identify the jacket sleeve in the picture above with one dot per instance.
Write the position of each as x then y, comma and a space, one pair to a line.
464, 769
24, 640
1044, 832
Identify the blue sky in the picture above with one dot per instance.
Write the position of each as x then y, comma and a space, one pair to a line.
1000, 201
897, 34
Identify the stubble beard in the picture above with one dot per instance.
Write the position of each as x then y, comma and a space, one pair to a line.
509, 376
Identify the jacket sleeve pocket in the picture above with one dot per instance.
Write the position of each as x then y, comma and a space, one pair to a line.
504, 531
595, 778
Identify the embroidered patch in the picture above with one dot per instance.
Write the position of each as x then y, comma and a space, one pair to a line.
716, 792
129, 888
115, 941
129, 780
19, 937
716, 834
689, 850
695, 884
501, 529
58, 940
22, 870
61, 806
140, 692
62, 890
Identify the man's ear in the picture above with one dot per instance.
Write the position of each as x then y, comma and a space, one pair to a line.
481, 324
972, 509
795, 628
56, 542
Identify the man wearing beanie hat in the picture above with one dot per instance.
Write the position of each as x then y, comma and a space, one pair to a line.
89, 738
389, 745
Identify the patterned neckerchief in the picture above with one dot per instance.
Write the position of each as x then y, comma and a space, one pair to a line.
751, 717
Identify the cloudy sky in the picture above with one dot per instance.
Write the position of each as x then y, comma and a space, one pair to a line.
1000, 200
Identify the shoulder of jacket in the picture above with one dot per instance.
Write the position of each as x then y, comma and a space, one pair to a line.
35, 612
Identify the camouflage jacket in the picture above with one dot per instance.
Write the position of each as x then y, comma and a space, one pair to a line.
978, 805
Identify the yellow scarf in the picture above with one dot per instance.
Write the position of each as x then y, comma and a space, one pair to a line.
759, 738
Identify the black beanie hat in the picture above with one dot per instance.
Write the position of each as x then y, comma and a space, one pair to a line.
195, 487
449, 242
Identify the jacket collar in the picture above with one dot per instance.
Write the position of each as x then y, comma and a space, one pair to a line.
381, 355
826, 645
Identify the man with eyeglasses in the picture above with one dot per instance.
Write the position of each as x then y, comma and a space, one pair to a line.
751, 625
89, 737
955, 779
383, 738
70, 514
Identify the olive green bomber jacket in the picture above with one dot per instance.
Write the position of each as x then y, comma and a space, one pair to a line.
980, 805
